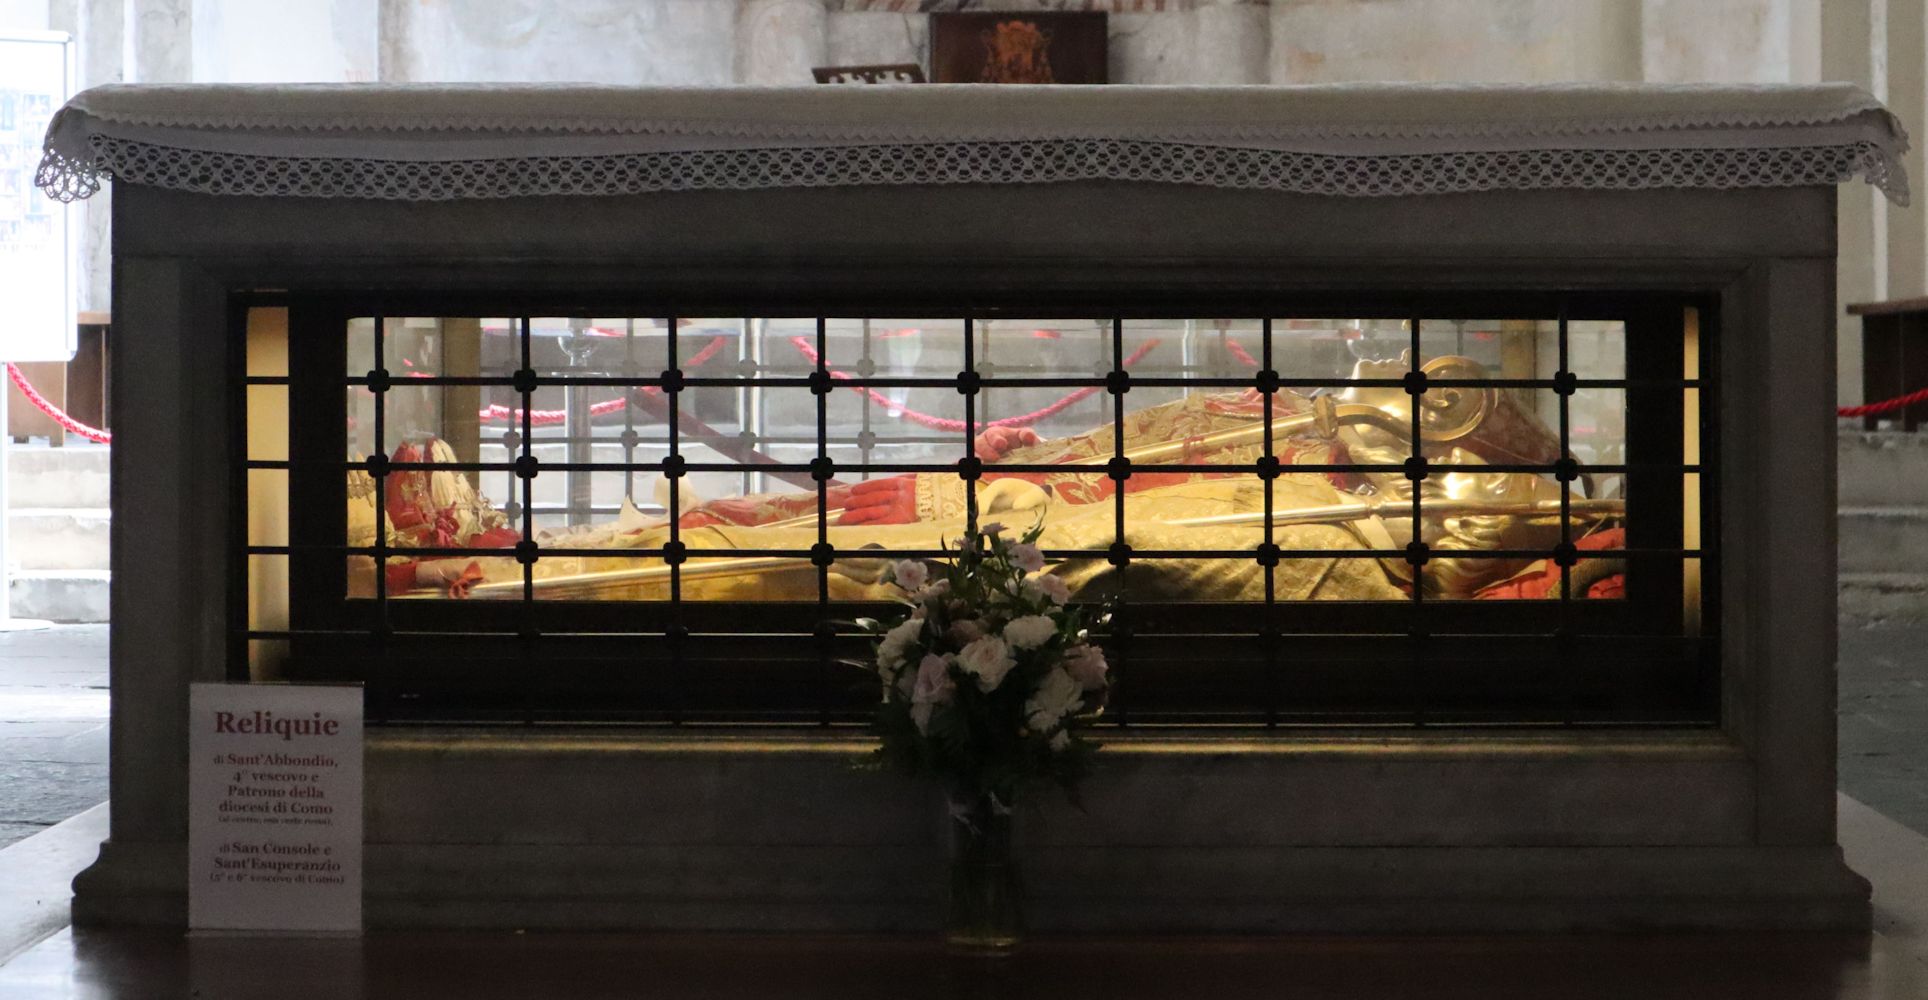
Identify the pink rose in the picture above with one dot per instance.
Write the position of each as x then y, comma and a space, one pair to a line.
966, 631
1051, 587
1086, 664
910, 574
933, 687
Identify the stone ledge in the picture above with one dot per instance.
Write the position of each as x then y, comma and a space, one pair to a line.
70, 476
60, 538
1145, 890
1881, 468
60, 595
1882, 539
1141, 890
1883, 598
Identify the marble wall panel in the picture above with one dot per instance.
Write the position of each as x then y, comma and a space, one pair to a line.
290, 41
778, 41
1233, 43
1753, 35
1492, 41
635, 42
862, 38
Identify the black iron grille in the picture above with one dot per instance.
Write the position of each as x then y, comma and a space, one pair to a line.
1649, 657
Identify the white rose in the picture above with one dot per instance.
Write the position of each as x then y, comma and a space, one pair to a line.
1057, 696
935, 592
1030, 631
987, 659
1060, 739
1026, 557
910, 574
897, 642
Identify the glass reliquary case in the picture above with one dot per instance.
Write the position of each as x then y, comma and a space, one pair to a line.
1480, 508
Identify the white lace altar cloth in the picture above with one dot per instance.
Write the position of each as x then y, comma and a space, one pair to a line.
439, 143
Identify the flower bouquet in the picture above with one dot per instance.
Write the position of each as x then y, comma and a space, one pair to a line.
987, 680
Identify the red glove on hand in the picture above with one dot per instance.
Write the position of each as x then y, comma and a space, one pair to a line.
996, 442
893, 500
762, 509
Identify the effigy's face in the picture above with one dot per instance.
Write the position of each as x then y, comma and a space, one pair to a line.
873, 468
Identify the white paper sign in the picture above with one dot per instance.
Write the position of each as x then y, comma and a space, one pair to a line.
275, 789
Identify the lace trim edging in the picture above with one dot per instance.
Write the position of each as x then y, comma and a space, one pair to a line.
69, 178
615, 123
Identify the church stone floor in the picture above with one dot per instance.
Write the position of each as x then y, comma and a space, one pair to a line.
481, 966
53, 726
1884, 721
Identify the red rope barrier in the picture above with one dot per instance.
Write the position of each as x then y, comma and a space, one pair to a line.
1885, 406
946, 424
1244, 357
40, 402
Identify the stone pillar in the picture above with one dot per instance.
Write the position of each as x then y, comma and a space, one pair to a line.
1752, 41
1806, 38
393, 41
1906, 94
163, 41
1232, 43
1847, 52
1215, 42
778, 41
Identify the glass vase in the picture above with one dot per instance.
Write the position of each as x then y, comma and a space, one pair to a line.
986, 903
